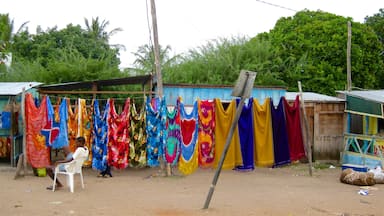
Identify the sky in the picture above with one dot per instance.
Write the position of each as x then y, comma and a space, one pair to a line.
182, 24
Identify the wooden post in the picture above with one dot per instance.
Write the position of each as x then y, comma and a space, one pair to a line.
349, 77
308, 140
243, 89
11, 131
24, 156
94, 89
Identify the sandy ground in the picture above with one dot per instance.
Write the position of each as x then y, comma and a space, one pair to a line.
264, 191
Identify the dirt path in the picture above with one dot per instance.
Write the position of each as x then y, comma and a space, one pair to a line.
282, 191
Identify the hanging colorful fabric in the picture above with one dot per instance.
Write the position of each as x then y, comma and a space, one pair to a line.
36, 119
295, 138
118, 135
155, 128
188, 161
246, 133
206, 133
73, 124
85, 127
100, 136
262, 123
52, 128
5, 120
280, 136
5, 147
137, 146
173, 139
61, 117
224, 119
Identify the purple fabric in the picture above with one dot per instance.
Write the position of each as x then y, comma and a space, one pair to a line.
245, 128
280, 136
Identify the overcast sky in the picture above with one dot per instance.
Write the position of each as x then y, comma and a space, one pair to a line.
182, 24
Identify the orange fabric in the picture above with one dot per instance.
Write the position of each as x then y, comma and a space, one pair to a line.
206, 133
36, 117
85, 128
72, 125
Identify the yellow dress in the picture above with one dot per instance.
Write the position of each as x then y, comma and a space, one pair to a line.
263, 133
85, 129
72, 125
224, 119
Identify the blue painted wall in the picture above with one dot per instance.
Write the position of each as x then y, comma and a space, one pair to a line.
190, 93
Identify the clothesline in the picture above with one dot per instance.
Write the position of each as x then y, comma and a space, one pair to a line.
91, 99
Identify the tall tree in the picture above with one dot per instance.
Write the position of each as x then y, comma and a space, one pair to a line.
63, 56
7, 33
376, 22
313, 48
98, 30
145, 59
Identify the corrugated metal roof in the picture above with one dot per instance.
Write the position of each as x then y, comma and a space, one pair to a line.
144, 79
311, 96
15, 88
372, 95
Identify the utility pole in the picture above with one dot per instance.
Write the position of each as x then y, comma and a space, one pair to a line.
159, 78
349, 78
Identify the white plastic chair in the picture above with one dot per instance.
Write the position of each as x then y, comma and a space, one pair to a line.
71, 168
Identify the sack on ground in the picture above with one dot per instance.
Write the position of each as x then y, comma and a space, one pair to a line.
349, 176
378, 175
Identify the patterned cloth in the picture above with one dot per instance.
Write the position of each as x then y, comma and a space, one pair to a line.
51, 129
5, 147
100, 140
73, 125
206, 133
137, 146
118, 132
173, 141
36, 119
85, 127
188, 162
61, 116
155, 128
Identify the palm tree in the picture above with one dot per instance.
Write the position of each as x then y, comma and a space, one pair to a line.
145, 59
7, 35
98, 31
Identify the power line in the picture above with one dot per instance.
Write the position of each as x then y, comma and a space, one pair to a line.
275, 5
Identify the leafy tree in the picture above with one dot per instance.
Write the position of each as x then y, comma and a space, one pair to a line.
220, 61
65, 55
376, 22
312, 46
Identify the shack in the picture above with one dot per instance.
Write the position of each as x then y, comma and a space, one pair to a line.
11, 122
325, 116
364, 134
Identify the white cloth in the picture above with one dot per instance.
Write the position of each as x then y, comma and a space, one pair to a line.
80, 152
